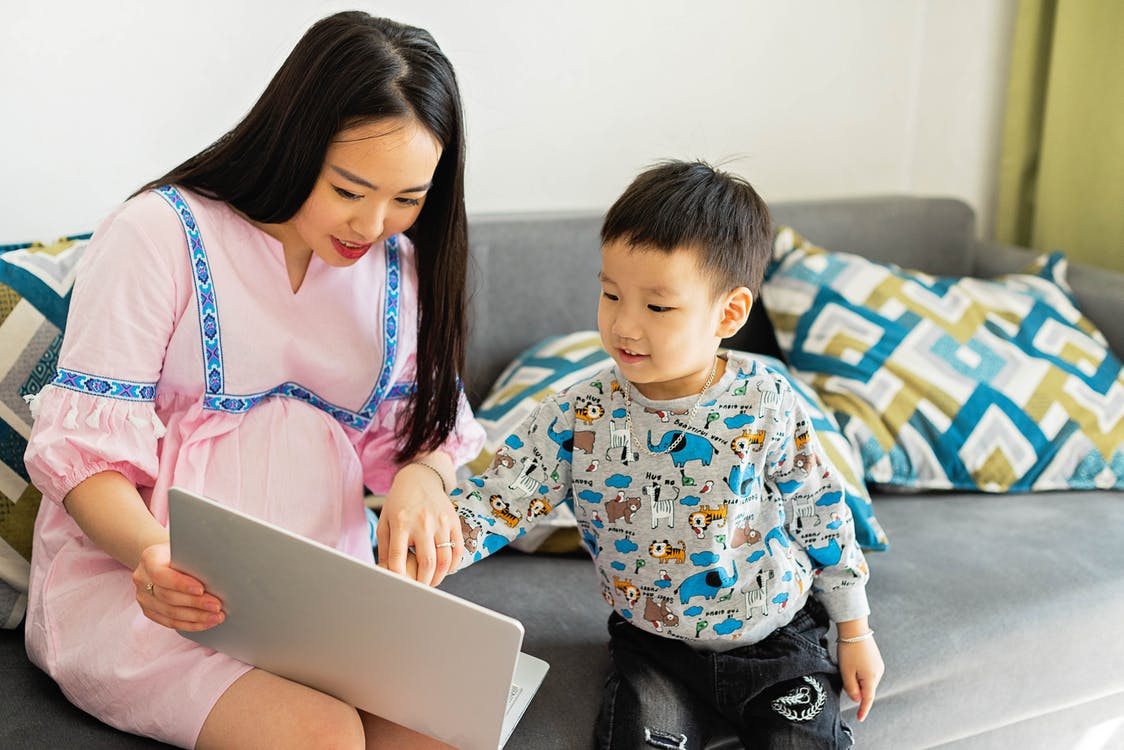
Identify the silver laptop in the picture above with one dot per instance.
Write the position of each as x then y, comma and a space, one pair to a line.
418, 656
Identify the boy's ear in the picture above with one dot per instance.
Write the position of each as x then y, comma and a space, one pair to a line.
735, 312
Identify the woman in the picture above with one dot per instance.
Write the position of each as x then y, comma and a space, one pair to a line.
275, 323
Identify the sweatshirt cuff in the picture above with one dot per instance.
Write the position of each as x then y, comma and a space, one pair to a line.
845, 604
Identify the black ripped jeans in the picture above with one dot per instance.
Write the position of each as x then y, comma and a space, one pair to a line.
781, 693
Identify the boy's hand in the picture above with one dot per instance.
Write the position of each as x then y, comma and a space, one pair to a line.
861, 667
171, 598
411, 566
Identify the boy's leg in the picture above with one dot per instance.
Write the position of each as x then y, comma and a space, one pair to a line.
644, 705
800, 714
784, 691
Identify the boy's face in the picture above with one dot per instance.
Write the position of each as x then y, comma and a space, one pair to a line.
660, 319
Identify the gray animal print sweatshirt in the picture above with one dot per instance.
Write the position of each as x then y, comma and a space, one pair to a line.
714, 532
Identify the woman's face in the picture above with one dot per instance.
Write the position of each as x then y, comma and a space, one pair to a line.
372, 186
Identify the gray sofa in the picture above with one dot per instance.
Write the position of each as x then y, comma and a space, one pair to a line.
999, 616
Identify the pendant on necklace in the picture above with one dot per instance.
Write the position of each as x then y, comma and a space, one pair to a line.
682, 436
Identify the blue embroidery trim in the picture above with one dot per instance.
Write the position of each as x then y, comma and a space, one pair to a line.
205, 298
401, 390
240, 404
123, 390
390, 329
216, 399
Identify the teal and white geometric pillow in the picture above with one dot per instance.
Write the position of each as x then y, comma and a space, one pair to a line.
997, 385
550, 366
558, 362
35, 284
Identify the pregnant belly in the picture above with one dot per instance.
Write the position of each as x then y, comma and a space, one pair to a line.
283, 461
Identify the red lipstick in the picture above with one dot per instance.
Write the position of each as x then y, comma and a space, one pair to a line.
351, 253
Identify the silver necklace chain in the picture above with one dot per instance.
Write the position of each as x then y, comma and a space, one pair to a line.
690, 415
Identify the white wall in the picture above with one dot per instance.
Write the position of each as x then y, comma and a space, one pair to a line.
565, 102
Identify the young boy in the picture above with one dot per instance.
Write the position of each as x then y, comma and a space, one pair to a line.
716, 523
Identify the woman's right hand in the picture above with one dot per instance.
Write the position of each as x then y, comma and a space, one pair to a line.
171, 598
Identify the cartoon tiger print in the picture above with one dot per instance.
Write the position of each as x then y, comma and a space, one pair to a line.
664, 551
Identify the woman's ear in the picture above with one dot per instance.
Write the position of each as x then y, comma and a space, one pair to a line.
735, 311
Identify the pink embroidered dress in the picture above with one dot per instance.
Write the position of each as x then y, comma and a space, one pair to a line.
188, 360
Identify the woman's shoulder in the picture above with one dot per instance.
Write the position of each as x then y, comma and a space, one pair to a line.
157, 212
142, 232
149, 223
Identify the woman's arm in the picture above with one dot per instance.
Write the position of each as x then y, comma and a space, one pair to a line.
110, 511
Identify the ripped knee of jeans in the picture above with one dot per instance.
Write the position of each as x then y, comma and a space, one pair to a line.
665, 740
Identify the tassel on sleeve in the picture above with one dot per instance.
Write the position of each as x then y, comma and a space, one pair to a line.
153, 423
33, 404
95, 416
70, 421
158, 428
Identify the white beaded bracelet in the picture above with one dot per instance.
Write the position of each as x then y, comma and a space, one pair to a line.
858, 638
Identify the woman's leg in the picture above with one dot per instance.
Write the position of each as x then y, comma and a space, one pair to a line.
384, 735
262, 710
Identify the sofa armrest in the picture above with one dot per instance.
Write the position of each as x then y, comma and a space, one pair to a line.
1098, 290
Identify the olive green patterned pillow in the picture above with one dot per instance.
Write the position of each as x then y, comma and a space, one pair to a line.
35, 284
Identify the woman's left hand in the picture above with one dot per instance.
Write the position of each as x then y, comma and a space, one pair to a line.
419, 517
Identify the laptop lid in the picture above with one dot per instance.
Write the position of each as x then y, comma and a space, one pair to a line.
413, 654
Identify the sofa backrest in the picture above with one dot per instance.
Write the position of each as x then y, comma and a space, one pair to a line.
936, 235
536, 275
530, 276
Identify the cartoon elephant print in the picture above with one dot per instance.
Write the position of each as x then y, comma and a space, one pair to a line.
684, 447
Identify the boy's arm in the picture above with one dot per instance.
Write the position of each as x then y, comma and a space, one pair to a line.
820, 522
818, 518
529, 476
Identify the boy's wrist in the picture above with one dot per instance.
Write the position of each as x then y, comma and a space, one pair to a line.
853, 628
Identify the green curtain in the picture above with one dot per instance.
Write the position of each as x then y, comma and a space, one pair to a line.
1061, 177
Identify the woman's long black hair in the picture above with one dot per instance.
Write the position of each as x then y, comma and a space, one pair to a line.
351, 68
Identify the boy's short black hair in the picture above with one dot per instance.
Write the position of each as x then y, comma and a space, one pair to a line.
679, 204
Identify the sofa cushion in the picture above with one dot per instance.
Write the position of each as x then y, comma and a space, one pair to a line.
558, 362
991, 611
35, 283
952, 382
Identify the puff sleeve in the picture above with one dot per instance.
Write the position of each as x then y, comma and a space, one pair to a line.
99, 412
378, 448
